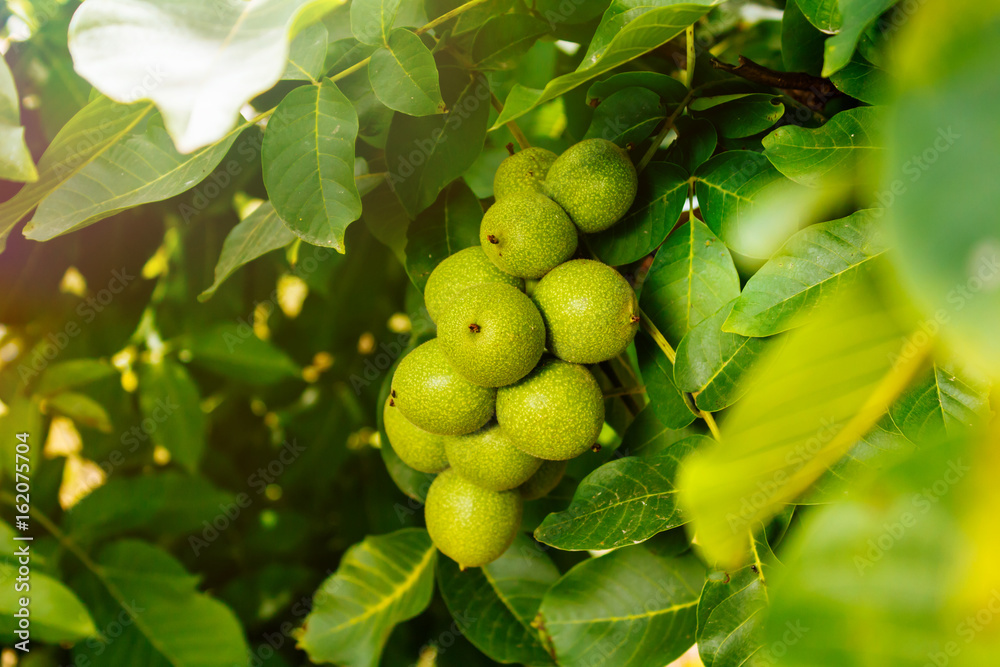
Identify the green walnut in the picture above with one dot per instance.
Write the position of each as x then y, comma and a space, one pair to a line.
492, 334
435, 397
527, 235
466, 268
595, 182
555, 413
471, 525
547, 477
417, 448
524, 170
488, 458
591, 313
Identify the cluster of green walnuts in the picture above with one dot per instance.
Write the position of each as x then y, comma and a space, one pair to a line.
502, 398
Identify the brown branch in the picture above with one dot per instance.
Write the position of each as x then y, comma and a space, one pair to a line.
813, 91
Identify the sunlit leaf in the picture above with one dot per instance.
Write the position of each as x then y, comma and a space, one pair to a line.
16, 163
371, 20
55, 612
404, 75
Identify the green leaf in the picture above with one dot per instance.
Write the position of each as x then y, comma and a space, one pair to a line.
937, 168
695, 142
448, 226
628, 29
161, 614
232, 53
426, 154
82, 409
629, 607
23, 415
308, 157
234, 351
57, 615
814, 397
74, 188
824, 14
256, 235
947, 400
172, 504
801, 42
494, 605
16, 163
732, 610
307, 54
733, 188
812, 266
504, 39
740, 115
647, 435
383, 581
832, 151
623, 502
657, 373
691, 277
657, 208
669, 89
864, 81
169, 398
715, 364
627, 117
72, 374
371, 20
856, 15
404, 76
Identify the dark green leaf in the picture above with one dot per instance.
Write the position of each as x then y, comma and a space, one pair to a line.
811, 267
623, 502
863, 80
308, 158
404, 75
82, 409
692, 276
739, 115
155, 610
647, 436
234, 351
627, 117
856, 15
801, 42
258, 234
824, 14
657, 208
715, 364
382, 581
631, 608
811, 156
669, 89
504, 39
71, 374
170, 400
947, 400
448, 226
696, 141
494, 605
628, 29
426, 154
658, 376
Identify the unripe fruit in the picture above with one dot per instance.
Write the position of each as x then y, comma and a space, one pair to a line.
471, 525
417, 448
527, 234
555, 413
591, 313
435, 397
488, 458
595, 182
492, 334
457, 273
547, 477
525, 170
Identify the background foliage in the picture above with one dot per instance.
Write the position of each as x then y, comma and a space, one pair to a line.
815, 247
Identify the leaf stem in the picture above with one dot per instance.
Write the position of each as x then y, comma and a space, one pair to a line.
351, 70
667, 126
689, 36
447, 16
522, 140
